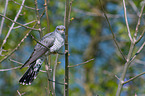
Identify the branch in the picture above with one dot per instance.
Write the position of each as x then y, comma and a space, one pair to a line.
133, 78
38, 19
140, 37
47, 18
20, 93
81, 63
19, 23
16, 61
139, 50
10, 69
20, 41
138, 24
2, 22
54, 70
114, 38
25, 24
16, 17
23, 5
125, 15
66, 79
16, 47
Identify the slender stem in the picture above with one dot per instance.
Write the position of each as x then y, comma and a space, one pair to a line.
139, 50
23, 5
2, 22
114, 37
81, 63
21, 41
133, 78
138, 23
127, 25
47, 18
25, 24
54, 70
16, 17
38, 19
10, 68
19, 23
66, 80
125, 70
16, 47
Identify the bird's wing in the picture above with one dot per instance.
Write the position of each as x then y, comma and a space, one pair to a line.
39, 50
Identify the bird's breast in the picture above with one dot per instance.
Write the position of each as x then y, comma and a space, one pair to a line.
58, 43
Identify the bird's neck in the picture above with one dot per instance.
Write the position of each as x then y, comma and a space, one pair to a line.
59, 35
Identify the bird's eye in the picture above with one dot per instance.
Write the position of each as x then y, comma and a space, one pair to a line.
58, 29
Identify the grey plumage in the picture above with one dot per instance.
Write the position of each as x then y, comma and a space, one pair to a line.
54, 41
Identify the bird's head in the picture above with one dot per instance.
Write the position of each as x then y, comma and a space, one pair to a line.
60, 29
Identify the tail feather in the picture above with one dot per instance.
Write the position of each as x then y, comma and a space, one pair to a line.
31, 73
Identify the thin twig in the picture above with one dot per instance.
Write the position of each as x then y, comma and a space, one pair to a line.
56, 82
2, 22
47, 17
20, 41
114, 37
16, 61
16, 47
140, 37
20, 93
140, 49
10, 68
54, 70
81, 63
38, 19
125, 15
16, 17
25, 24
135, 9
133, 78
70, 10
126, 20
138, 23
19, 23
23, 5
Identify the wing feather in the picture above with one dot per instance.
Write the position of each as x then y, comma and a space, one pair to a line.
39, 50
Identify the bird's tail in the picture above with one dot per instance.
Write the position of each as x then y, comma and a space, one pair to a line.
31, 72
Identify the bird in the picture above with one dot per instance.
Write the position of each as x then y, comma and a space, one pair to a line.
49, 44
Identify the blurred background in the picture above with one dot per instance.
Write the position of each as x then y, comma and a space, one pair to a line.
89, 38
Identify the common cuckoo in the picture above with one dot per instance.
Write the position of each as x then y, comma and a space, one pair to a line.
53, 41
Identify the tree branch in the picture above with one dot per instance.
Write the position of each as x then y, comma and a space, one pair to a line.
16, 17
19, 23
66, 80
38, 19
138, 24
10, 69
2, 22
114, 37
133, 78
125, 15
81, 63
